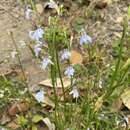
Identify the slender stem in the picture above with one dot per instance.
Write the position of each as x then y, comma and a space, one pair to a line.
33, 5
89, 52
122, 78
57, 62
111, 87
52, 71
59, 72
18, 56
54, 89
54, 66
53, 75
62, 84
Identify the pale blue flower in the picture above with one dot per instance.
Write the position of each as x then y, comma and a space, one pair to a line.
65, 55
85, 39
37, 34
69, 71
39, 96
52, 4
37, 50
74, 93
28, 13
45, 63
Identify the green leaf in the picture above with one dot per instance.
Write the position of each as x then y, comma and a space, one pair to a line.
78, 24
34, 128
129, 11
37, 118
22, 120
126, 97
127, 64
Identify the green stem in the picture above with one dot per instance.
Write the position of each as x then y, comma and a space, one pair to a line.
89, 52
18, 56
53, 75
58, 68
122, 78
33, 5
59, 72
111, 87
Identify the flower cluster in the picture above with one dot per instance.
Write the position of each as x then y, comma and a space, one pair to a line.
64, 55
37, 36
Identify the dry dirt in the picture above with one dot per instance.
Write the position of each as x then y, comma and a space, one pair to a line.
12, 19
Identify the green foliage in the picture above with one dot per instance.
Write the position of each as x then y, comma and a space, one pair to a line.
61, 34
22, 121
37, 118
79, 24
129, 11
9, 91
93, 108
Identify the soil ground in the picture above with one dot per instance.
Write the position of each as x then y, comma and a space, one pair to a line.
12, 19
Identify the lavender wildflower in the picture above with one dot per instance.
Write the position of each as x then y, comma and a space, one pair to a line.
52, 4
69, 71
85, 39
74, 93
45, 63
65, 55
28, 13
37, 49
37, 34
39, 96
